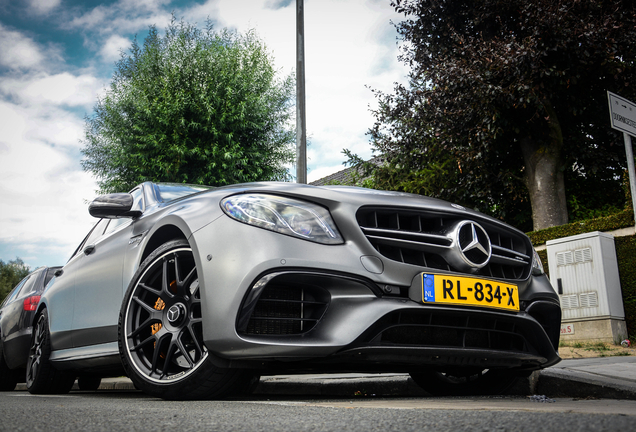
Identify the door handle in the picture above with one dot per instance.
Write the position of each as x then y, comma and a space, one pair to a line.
89, 249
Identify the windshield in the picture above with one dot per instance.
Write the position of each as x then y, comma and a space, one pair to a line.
169, 192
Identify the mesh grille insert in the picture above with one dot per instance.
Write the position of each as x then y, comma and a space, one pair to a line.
286, 310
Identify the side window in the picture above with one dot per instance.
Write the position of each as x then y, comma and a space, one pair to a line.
116, 223
49, 275
93, 235
97, 232
13, 294
29, 285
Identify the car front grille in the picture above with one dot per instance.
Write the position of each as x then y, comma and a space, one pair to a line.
419, 238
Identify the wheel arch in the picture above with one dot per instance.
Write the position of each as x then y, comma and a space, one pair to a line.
163, 234
37, 313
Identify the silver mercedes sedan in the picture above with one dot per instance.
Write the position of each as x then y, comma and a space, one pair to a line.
195, 292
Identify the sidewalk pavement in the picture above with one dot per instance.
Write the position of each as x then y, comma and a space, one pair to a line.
591, 378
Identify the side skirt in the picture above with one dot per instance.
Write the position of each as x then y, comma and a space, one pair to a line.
100, 359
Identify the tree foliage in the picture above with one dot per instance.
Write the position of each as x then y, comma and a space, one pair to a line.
192, 106
506, 106
11, 273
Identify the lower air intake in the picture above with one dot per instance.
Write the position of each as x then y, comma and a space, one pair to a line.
286, 308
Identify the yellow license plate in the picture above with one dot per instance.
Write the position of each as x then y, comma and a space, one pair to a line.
469, 291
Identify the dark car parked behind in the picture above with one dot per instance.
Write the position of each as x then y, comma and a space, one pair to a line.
16, 315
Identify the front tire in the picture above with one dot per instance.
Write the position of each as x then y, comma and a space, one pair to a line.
41, 376
161, 330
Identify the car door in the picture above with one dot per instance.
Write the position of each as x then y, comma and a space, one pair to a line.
61, 292
99, 286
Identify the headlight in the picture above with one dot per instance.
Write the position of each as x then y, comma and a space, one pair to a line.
284, 215
537, 265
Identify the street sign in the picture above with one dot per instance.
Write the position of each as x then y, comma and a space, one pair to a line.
623, 118
622, 113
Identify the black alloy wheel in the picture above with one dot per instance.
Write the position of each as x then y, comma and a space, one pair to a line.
467, 382
161, 330
41, 376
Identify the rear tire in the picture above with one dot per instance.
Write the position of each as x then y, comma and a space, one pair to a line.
161, 330
41, 376
8, 377
88, 383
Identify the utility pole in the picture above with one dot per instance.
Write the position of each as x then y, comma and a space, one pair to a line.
301, 126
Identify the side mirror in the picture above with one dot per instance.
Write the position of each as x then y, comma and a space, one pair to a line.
112, 206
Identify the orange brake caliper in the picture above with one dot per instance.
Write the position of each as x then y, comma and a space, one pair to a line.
160, 305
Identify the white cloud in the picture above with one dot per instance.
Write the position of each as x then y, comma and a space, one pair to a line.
41, 184
43, 7
43, 89
122, 17
18, 51
110, 51
276, 27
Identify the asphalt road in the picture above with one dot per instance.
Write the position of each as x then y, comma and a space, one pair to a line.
133, 411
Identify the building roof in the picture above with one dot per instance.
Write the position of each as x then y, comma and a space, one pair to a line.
344, 176
341, 177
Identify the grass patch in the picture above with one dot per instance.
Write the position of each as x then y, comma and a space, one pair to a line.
596, 349
598, 346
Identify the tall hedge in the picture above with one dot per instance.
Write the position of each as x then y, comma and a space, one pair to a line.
615, 221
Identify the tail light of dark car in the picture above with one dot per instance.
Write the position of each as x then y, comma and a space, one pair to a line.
31, 303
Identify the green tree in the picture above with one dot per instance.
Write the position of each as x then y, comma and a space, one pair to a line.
11, 273
192, 106
506, 106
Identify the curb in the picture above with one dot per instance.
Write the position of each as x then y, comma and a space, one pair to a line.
400, 385
565, 383
397, 385
550, 382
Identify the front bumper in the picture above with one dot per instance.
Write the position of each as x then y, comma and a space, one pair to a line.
269, 298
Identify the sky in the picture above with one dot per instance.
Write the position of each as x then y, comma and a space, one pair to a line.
58, 56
